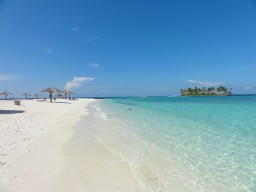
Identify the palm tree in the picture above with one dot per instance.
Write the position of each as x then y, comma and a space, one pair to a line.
221, 90
181, 92
190, 91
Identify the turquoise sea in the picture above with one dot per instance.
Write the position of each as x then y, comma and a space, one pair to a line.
183, 143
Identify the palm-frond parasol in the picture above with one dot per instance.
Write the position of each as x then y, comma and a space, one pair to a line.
6, 93
67, 92
36, 95
51, 90
26, 95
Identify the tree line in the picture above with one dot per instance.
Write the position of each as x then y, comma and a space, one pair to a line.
221, 91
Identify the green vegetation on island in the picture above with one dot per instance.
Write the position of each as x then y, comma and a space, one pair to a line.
210, 91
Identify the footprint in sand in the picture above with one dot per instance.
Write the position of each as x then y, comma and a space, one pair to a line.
2, 162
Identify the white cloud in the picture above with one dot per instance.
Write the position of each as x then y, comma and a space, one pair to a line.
207, 84
8, 77
77, 82
95, 65
48, 50
76, 28
92, 39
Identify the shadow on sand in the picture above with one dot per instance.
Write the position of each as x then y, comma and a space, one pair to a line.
61, 102
11, 111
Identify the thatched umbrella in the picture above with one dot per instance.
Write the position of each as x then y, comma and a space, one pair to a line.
36, 95
6, 93
67, 92
26, 95
51, 90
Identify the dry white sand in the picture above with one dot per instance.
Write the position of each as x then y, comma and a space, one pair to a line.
43, 147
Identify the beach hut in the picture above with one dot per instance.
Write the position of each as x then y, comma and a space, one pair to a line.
6, 93
51, 90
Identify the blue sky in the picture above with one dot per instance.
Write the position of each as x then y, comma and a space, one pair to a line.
127, 47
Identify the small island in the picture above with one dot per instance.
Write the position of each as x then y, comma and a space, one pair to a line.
210, 91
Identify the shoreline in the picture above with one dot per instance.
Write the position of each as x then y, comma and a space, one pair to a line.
90, 165
48, 147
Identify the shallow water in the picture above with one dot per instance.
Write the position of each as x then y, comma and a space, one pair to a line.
183, 143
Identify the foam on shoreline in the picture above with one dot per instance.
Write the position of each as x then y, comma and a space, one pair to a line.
92, 167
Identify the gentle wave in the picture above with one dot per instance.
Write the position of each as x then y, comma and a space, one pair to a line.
183, 144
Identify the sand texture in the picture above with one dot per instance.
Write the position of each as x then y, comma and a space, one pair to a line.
49, 147
32, 136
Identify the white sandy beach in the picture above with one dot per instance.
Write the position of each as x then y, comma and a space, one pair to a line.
51, 147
